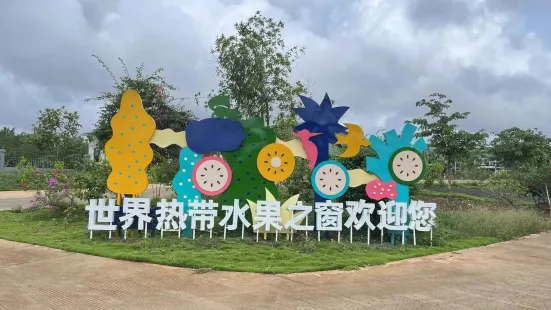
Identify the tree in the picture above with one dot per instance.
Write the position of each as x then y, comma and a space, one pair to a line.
254, 68
157, 101
528, 154
17, 145
299, 181
515, 148
8, 138
441, 130
56, 133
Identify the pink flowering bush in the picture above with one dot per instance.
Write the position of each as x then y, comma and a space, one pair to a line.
53, 189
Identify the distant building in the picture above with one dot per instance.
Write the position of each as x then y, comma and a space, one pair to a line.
95, 150
482, 161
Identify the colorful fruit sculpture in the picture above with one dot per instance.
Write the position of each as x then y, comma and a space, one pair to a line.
407, 165
224, 135
240, 142
378, 190
252, 158
211, 176
248, 183
183, 184
398, 160
322, 118
330, 179
275, 162
128, 151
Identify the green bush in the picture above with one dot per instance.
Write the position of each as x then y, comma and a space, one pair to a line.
434, 174
9, 181
91, 183
504, 188
416, 189
53, 188
163, 172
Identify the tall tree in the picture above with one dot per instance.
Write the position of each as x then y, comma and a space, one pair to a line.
441, 129
516, 148
56, 133
254, 67
17, 145
157, 101
8, 138
527, 153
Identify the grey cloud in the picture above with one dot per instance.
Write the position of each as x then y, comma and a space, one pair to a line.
515, 87
438, 13
322, 17
47, 49
46, 59
95, 11
519, 5
56, 52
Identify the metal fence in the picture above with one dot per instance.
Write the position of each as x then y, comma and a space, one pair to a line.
8, 162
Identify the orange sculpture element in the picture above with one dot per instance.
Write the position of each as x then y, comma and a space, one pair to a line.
275, 162
128, 150
354, 140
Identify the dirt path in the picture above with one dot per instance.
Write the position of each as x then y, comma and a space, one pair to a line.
511, 275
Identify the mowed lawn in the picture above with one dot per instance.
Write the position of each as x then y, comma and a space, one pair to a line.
457, 229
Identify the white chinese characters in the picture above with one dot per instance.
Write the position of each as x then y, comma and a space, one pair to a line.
101, 216
236, 213
270, 216
170, 216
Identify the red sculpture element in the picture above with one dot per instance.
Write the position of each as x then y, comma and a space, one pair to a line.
378, 190
308, 146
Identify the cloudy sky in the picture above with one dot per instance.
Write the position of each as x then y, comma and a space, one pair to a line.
492, 57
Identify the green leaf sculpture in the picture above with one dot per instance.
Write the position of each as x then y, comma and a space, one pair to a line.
247, 182
220, 106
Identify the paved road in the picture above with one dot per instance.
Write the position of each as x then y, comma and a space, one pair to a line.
11, 199
512, 275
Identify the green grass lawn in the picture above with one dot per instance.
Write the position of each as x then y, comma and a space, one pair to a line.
456, 230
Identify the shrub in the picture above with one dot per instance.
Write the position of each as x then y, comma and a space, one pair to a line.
416, 189
91, 183
9, 181
161, 174
307, 245
504, 188
53, 188
434, 174
26, 173
533, 178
